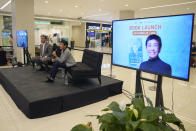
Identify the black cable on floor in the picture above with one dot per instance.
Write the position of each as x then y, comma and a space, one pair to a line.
126, 93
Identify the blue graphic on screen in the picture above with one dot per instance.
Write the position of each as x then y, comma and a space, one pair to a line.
135, 54
158, 45
21, 38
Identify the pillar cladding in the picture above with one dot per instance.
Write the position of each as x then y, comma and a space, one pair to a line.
1, 28
23, 19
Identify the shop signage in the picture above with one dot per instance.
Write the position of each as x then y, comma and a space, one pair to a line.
94, 27
97, 26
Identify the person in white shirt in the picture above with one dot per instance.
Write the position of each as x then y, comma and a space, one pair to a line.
54, 39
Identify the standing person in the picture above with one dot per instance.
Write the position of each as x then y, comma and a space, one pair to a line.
45, 53
55, 39
66, 60
55, 47
11, 44
154, 63
106, 41
11, 40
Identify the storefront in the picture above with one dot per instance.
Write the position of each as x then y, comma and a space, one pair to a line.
49, 28
46, 27
98, 35
6, 29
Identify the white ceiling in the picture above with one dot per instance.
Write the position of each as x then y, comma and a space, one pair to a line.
108, 10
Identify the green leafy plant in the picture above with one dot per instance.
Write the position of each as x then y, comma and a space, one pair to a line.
135, 117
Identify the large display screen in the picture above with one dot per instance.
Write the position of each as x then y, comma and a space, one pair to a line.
159, 45
21, 38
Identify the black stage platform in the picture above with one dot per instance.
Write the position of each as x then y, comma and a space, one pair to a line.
35, 98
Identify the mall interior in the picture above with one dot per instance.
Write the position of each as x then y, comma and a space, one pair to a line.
86, 24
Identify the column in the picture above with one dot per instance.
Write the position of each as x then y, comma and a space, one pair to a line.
1, 28
83, 34
194, 33
79, 34
126, 14
23, 19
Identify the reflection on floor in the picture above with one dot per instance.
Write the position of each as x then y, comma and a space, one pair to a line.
11, 119
99, 49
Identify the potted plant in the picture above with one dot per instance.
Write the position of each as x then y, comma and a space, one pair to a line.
135, 116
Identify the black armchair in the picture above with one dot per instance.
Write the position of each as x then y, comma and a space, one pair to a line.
90, 67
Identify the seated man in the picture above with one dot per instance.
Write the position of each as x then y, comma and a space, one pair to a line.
66, 60
45, 53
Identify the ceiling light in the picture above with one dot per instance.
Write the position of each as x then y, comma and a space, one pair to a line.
5, 5
76, 6
126, 5
168, 5
100, 10
61, 10
187, 8
46, 1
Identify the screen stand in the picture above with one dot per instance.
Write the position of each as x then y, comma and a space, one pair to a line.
26, 54
159, 94
138, 86
111, 75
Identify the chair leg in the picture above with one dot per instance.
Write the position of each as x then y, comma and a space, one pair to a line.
99, 78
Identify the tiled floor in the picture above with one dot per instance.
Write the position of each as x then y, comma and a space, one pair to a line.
12, 119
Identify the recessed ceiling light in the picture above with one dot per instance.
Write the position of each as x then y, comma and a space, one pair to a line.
126, 5
187, 8
48, 13
46, 1
61, 10
100, 10
76, 6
